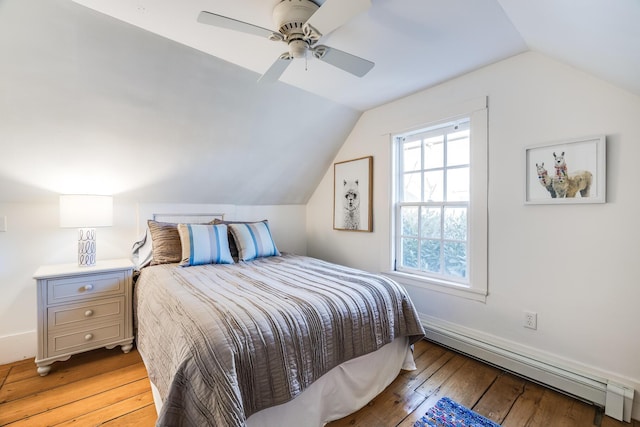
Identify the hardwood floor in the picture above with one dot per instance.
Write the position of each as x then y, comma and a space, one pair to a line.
109, 388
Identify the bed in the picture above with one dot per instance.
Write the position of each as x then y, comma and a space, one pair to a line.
268, 339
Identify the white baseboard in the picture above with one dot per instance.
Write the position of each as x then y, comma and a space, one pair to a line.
18, 347
610, 393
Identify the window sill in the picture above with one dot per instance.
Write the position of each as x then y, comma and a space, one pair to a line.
450, 288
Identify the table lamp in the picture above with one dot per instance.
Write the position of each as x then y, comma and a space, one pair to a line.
85, 212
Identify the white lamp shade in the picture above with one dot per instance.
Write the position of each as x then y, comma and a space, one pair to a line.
83, 210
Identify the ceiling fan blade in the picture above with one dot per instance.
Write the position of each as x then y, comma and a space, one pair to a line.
275, 71
232, 24
343, 60
335, 13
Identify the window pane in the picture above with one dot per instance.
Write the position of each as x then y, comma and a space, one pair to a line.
411, 189
410, 253
430, 256
458, 148
433, 186
455, 259
434, 152
431, 223
411, 156
455, 223
409, 220
458, 185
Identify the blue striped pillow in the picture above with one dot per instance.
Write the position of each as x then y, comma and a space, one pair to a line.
253, 240
204, 244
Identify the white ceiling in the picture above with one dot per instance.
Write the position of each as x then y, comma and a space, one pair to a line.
415, 44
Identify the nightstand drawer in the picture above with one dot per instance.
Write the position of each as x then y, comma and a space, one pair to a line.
87, 313
83, 287
71, 342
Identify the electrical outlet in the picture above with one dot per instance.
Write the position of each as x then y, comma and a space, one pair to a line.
3, 223
530, 320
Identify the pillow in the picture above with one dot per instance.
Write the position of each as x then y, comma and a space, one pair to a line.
204, 244
166, 247
253, 240
232, 243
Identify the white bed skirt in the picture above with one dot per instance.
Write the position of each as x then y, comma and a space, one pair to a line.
338, 393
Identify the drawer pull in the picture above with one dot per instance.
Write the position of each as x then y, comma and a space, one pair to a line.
88, 287
88, 313
88, 337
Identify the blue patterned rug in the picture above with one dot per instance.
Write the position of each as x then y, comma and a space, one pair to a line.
447, 413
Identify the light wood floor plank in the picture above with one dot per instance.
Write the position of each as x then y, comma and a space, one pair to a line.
27, 368
108, 388
498, 400
82, 407
111, 412
56, 397
144, 417
24, 380
4, 372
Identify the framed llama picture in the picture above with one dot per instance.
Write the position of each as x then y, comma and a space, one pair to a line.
566, 172
353, 195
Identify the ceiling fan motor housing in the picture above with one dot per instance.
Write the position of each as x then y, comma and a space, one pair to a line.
289, 16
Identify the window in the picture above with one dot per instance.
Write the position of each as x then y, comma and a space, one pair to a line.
440, 205
433, 201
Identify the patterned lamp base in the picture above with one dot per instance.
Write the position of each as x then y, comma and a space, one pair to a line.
86, 247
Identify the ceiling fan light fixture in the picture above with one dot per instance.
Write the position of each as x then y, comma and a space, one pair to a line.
298, 48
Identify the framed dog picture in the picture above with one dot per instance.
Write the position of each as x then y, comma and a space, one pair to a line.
353, 195
566, 172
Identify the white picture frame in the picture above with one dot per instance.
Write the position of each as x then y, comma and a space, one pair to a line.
566, 172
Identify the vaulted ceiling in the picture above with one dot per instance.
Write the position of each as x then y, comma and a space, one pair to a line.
414, 43
136, 98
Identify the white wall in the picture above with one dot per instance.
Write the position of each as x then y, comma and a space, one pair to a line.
572, 264
34, 238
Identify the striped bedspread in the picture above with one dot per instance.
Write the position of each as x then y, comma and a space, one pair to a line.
222, 342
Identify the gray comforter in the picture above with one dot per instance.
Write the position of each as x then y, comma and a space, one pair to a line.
224, 341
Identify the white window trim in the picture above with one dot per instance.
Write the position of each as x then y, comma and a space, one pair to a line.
477, 288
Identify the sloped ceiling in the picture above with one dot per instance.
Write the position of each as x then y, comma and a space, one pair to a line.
89, 104
135, 98
414, 43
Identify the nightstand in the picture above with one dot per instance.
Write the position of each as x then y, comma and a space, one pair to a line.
83, 308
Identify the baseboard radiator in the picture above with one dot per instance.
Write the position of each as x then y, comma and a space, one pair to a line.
616, 399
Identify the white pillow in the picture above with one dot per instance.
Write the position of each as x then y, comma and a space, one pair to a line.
142, 251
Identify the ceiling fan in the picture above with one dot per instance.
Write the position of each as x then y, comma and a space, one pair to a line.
301, 24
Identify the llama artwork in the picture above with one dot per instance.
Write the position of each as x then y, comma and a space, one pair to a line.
352, 208
351, 203
545, 179
566, 172
564, 184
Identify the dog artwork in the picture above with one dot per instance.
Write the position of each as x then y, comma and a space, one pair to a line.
351, 205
